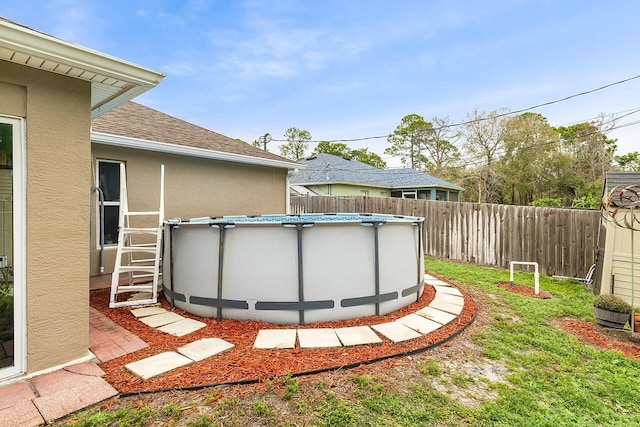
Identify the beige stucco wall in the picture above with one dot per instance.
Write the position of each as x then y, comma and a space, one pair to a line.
57, 112
193, 188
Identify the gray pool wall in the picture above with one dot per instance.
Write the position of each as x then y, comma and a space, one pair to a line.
293, 269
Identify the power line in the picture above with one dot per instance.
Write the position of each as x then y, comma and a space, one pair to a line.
480, 119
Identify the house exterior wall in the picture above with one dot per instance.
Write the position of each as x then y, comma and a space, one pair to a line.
348, 190
194, 187
616, 269
57, 113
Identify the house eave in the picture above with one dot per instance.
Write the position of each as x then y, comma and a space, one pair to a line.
443, 187
113, 80
354, 184
182, 150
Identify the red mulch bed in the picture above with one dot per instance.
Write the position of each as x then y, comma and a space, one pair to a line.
605, 338
523, 290
247, 364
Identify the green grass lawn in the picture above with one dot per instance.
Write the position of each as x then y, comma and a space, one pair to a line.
545, 377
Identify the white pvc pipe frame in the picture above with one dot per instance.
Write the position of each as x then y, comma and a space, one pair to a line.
536, 275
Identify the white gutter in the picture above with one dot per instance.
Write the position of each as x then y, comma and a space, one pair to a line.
354, 184
35, 43
183, 150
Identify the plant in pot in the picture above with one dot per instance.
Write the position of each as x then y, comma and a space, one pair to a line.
612, 311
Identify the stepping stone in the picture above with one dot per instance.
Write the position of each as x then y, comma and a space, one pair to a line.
435, 282
446, 306
161, 319
182, 327
318, 338
419, 323
448, 290
204, 348
157, 365
147, 311
396, 332
453, 299
357, 335
275, 338
139, 295
436, 315
428, 276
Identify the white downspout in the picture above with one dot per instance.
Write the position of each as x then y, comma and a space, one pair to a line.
288, 190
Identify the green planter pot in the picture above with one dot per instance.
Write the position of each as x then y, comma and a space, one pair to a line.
611, 319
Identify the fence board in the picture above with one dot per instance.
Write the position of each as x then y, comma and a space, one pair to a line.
562, 241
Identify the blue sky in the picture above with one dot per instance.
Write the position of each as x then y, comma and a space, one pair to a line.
346, 69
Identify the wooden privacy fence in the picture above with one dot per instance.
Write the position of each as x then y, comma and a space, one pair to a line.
561, 241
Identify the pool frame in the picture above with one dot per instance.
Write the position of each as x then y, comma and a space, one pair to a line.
219, 257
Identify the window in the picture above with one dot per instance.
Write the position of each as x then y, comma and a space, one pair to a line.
409, 194
108, 180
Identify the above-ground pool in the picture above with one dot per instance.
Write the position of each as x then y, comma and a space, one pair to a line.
293, 269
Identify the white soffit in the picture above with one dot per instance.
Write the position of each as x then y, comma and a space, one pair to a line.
113, 81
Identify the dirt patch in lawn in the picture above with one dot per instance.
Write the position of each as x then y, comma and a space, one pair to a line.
524, 290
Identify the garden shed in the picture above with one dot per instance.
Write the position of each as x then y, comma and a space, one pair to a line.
619, 262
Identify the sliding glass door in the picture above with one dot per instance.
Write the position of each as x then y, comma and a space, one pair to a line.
12, 240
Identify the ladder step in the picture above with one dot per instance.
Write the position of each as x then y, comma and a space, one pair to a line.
145, 249
141, 230
142, 261
133, 268
142, 213
142, 245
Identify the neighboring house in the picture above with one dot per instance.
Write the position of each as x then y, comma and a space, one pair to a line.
206, 174
614, 273
49, 92
326, 174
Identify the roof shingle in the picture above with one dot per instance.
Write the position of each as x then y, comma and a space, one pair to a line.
328, 169
133, 120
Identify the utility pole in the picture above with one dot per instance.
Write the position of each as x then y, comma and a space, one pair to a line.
264, 139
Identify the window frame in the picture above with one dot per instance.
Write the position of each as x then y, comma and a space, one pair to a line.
117, 203
19, 218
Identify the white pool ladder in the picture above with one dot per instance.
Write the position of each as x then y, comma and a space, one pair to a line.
142, 273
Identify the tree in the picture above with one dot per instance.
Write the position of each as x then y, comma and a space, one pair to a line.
591, 155
296, 145
365, 156
360, 154
484, 142
440, 153
408, 140
528, 164
629, 162
335, 148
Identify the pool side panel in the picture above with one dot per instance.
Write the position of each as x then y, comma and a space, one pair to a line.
259, 279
